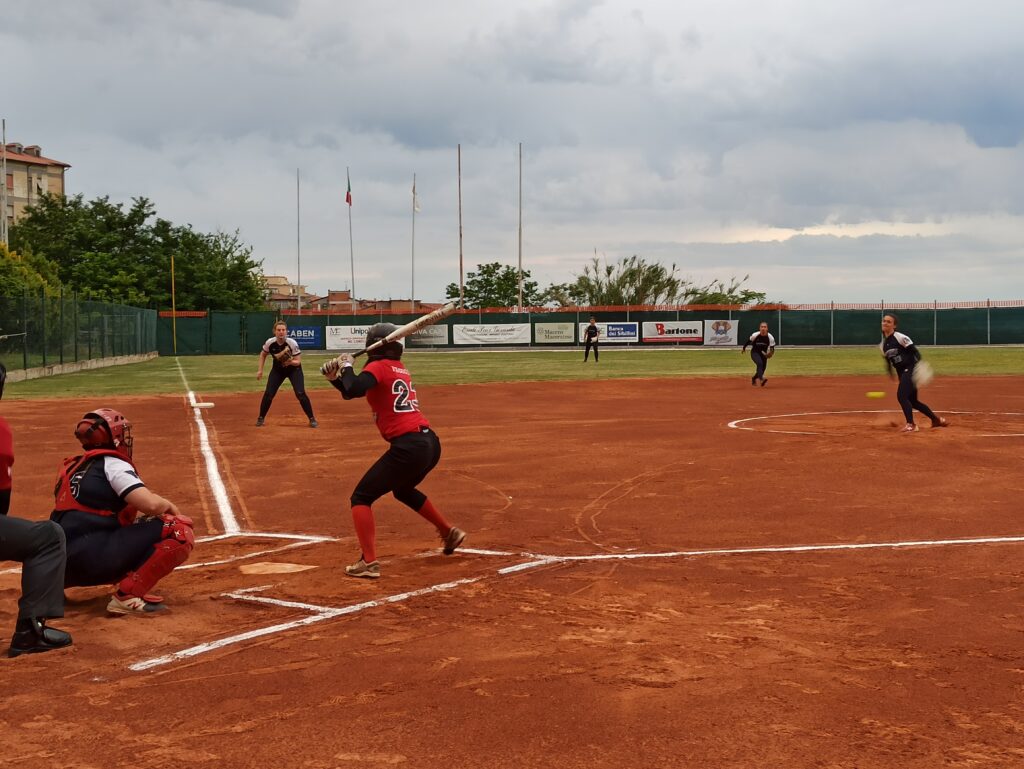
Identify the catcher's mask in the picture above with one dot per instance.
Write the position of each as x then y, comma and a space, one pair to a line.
105, 429
391, 350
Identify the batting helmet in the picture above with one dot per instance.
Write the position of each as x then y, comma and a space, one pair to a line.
105, 429
391, 350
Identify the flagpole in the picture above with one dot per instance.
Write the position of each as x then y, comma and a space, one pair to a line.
351, 252
412, 297
298, 249
174, 310
461, 293
520, 226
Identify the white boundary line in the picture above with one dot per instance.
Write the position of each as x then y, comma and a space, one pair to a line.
323, 613
736, 424
220, 493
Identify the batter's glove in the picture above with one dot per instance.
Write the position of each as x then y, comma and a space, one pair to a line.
330, 368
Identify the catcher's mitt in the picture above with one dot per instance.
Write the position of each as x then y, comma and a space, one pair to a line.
284, 356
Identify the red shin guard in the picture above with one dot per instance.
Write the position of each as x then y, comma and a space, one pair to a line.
169, 553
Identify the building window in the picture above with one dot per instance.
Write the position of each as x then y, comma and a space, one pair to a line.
10, 181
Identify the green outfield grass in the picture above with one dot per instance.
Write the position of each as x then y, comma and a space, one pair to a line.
237, 373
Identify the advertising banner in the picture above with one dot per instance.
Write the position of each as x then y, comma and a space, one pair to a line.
623, 332
500, 333
721, 333
553, 333
307, 337
431, 336
347, 337
674, 331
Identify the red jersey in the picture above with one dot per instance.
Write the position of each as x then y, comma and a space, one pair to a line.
396, 409
6, 454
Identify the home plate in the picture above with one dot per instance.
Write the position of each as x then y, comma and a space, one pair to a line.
270, 567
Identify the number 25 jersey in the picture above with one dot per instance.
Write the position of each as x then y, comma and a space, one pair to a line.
396, 409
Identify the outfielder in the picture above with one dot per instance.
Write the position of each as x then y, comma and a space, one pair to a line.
414, 451
762, 347
901, 355
287, 365
98, 497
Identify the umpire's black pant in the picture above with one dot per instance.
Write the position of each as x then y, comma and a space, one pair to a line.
276, 378
400, 470
39, 545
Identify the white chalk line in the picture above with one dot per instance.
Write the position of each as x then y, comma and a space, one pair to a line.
535, 560
220, 493
737, 424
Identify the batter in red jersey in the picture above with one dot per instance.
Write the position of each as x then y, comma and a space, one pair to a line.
414, 448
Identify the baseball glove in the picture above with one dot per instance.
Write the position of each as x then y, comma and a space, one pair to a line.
284, 356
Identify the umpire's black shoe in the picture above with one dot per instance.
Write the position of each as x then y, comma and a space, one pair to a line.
31, 636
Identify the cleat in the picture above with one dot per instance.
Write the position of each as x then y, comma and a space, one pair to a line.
764, 382
452, 540
132, 604
753, 381
259, 421
909, 428
363, 569
939, 422
31, 636
313, 423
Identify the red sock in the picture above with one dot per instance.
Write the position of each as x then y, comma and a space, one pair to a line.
366, 532
429, 512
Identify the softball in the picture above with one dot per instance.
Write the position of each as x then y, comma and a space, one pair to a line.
876, 394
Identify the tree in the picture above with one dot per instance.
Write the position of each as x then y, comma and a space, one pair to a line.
495, 285
634, 281
106, 252
20, 273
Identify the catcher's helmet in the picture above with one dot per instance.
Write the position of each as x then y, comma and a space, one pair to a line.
391, 350
105, 429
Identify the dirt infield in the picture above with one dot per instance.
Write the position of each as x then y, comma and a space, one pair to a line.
660, 573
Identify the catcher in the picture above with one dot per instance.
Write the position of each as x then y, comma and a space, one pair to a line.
415, 448
762, 347
117, 530
287, 365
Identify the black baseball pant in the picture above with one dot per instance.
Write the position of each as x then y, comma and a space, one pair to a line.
101, 551
400, 470
274, 381
906, 394
761, 362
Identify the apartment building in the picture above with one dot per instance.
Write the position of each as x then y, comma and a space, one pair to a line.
30, 175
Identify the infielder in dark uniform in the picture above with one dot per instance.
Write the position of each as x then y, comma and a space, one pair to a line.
591, 335
118, 531
762, 347
39, 545
901, 355
414, 451
287, 365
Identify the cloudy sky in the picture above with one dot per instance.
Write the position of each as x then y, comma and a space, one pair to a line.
847, 151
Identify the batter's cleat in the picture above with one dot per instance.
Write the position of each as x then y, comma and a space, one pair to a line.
31, 636
908, 428
313, 423
132, 604
452, 540
259, 421
939, 422
363, 569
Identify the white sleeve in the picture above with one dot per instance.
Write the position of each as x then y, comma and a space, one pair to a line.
266, 345
755, 335
903, 339
121, 476
771, 341
294, 347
